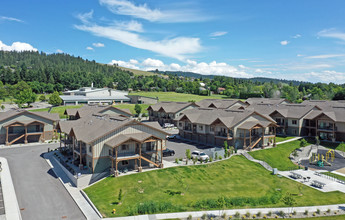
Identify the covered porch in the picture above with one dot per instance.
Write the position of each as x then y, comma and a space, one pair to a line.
24, 132
133, 151
254, 133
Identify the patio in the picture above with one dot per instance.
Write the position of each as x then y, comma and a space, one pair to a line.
65, 157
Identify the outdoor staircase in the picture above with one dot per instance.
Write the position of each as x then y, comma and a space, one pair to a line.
145, 157
16, 139
254, 143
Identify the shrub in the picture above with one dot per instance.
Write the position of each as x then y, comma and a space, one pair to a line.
294, 213
328, 210
180, 159
150, 207
281, 213
269, 213
206, 160
216, 156
247, 214
224, 215
120, 195
237, 215
176, 160
189, 217
211, 159
204, 216
220, 157
254, 216
318, 211
195, 160
306, 212
259, 214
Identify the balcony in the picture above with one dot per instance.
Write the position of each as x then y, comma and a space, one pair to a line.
327, 128
77, 150
187, 128
124, 155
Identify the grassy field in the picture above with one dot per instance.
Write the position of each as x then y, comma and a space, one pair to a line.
278, 157
59, 109
185, 188
337, 217
131, 107
280, 138
176, 97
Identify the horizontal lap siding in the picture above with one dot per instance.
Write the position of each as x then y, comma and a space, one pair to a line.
101, 150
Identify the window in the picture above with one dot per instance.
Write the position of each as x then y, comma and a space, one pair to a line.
10, 130
124, 147
110, 152
125, 162
149, 146
294, 122
90, 149
294, 131
90, 164
180, 124
212, 129
37, 128
201, 127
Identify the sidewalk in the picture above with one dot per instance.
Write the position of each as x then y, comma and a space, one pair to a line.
75, 192
232, 212
12, 211
292, 139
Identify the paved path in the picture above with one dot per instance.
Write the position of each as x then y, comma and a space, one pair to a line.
262, 163
9, 195
75, 192
292, 139
232, 212
40, 194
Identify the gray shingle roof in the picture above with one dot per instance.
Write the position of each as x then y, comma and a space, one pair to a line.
122, 138
217, 103
12, 113
170, 107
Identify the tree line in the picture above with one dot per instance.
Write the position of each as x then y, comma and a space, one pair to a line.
46, 73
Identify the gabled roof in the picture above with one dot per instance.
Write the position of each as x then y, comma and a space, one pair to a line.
45, 115
270, 101
171, 107
122, 138
218, 103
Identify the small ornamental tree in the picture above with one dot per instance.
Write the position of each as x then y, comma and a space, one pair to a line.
342, 148
288, 200
137, 109
55, 99
303, 143
42, 98
120, 195
188, 154
226, 149
25, 96
317, 140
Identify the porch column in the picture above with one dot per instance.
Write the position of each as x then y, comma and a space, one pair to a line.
333, 139
73, 146
26, 135
140, 168
275, 134
161, 154
6, 136
156, 150
80, 153
116, 171
244, 138
263, 136
250, 136
60, 142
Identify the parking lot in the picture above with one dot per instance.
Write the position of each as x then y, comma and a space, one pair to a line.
40, 194
180, 147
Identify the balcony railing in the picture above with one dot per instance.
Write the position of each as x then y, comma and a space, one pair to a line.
328, 128
77, 149
187, 128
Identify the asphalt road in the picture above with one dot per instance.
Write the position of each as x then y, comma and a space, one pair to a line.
180, 147
40, 194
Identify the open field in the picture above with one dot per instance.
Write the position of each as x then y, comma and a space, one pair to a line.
131, 107
278, 157
281, 138
335, 175
176, 97
240, 182
59, 109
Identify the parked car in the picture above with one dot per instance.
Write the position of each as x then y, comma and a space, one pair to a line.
168, 125
173, 136
168, 152
200, 155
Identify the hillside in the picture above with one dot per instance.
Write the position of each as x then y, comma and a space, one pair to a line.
137, 72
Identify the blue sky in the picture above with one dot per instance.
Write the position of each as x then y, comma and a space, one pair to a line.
295, 39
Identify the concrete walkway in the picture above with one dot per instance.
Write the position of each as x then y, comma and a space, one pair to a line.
76, 194
232, 212
262, 163
12, 211
292, 139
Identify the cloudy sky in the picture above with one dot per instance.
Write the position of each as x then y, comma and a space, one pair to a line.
289, 39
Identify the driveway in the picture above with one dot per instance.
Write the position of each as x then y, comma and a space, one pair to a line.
180, 147
40, 194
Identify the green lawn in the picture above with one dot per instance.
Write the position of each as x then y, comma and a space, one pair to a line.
335, 175
183, 188
131, 107
281, 138
337, 217
176, 97
278, 157
59, 109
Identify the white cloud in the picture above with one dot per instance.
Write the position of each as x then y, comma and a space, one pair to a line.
4, 18
124, 64
125, 7
325, 76
133, 61
300, 55
332, 33
98, 45
297, 36
218, 33
59, 51
325, 56
89, 48
129, 26
179, 47
284, 42
17, 46
242, 66
212, 68
152, 63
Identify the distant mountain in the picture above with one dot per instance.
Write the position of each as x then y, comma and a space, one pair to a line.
255, 79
